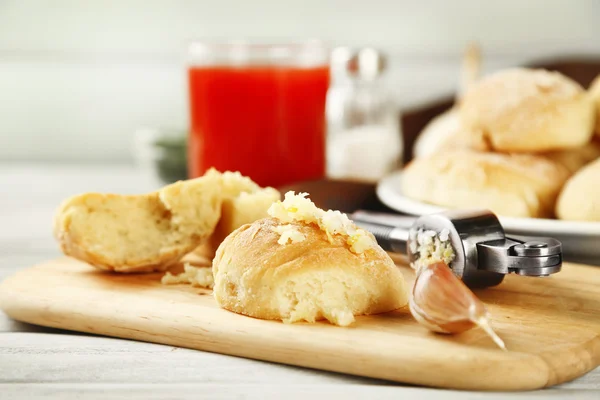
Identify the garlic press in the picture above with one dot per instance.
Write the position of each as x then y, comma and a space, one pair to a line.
483, 254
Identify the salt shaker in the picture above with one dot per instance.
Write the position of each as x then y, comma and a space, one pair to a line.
364, 141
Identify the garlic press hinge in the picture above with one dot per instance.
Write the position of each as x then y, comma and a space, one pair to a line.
522, 256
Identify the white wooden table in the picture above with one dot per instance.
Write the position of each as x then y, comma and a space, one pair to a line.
41, 362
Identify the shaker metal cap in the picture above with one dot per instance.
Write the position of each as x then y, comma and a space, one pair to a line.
368, 63
365, 63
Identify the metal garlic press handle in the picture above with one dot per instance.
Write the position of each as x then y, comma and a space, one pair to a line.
483, 253
391, 231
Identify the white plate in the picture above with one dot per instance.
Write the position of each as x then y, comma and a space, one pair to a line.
581, 240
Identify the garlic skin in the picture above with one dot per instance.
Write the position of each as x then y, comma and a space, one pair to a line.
444, 304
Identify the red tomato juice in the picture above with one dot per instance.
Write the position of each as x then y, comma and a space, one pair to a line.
268, 122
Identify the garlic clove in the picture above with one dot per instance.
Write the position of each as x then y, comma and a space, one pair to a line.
443, 303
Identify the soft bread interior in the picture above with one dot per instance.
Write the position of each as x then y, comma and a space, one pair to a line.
121, 227
331, 293
130, 233
243, 202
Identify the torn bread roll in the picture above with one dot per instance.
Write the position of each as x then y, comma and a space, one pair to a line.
516, 185
527, 110
244, 202
579, 200
305, 264
139, 233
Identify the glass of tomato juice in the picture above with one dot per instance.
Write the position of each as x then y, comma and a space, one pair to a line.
258, 109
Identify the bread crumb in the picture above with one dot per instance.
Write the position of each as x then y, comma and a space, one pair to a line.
343, 317
296, 207
196, 276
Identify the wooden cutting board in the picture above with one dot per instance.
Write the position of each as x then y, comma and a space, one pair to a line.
551, 327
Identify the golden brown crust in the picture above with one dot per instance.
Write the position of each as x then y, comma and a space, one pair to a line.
139, 233
525, 110
308, 280
580, 198
515, 185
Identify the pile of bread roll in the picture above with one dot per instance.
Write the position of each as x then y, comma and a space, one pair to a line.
520, 142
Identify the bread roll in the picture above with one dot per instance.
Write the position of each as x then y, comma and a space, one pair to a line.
574, 159
594, 91
525, 110
139, 233
580, 198
516, 185
297, 271
445, 132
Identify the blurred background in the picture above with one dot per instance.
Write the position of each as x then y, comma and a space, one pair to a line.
79, 78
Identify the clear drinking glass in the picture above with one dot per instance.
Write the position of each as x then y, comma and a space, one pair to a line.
258, 109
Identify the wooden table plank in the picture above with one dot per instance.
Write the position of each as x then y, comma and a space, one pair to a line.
274, 390
60, 358
68, 358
